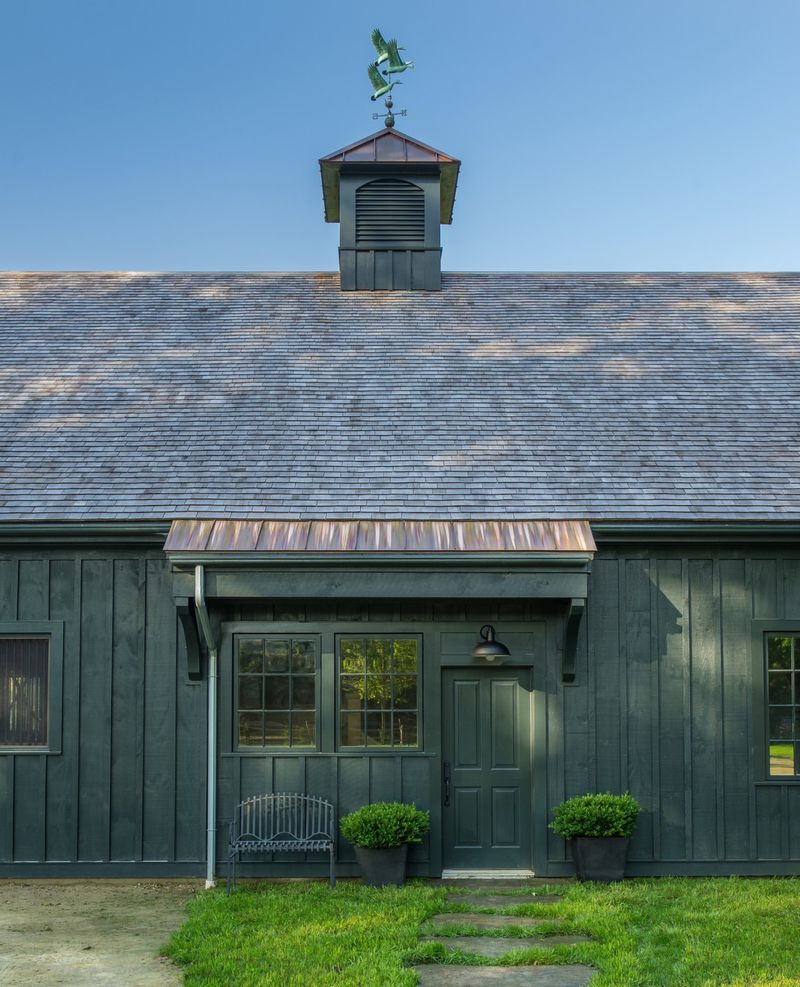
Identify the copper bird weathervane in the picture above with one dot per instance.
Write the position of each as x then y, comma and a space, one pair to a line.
381, 79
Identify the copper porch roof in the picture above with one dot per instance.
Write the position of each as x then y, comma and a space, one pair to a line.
211, 535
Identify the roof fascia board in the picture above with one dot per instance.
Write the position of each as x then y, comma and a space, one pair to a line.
84, 532
695, 531
372, 560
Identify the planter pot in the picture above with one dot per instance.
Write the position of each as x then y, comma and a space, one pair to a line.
380, 867
600, 858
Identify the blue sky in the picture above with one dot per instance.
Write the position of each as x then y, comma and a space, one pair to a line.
594, 134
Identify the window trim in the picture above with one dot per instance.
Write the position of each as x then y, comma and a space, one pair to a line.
53, 630
238, 748
761, 629
365, 748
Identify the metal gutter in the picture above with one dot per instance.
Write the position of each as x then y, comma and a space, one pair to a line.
371, 560
84, 532
211, 765
696, 531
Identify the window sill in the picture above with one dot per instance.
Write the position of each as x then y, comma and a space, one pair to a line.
355, 752
29, 750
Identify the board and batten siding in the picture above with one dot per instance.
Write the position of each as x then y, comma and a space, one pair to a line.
664, 706
124, 794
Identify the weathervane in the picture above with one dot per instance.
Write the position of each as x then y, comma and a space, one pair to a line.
382, 83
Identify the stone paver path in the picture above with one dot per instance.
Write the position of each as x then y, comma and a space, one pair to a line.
500, 945
434, 975
483, 921
503, 900
485, 944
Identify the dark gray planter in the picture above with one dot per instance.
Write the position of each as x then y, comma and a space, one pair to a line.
600, 858
381, 867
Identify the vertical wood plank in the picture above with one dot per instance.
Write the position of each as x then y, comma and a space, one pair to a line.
95, 710
353, 792
793, 820
30, 801
9, 584
127, 695
62, 772
158, 816
639, 663
7, 808
381, 780
416, 783
670, 622
770, 822
190, 750
764, 574
706, 708
735, 607
604, 661
791, 589
554, 727
34, 590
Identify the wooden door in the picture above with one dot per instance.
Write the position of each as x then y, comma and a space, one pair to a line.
486, 769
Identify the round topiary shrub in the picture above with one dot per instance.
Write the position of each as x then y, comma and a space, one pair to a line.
383, 825
596, 815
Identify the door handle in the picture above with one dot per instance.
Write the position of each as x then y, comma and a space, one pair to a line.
446, 782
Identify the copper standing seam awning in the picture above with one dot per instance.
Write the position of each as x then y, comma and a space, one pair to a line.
224, 535
269, 559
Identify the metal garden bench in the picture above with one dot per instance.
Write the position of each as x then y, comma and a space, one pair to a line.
279, 823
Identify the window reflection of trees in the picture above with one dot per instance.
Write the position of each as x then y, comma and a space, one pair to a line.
378, 683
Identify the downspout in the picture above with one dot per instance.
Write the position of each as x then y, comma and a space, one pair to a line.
211, 768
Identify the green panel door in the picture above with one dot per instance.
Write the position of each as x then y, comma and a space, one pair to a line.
486, 775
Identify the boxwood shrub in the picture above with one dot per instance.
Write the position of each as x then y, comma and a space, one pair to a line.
596, 815
383, 825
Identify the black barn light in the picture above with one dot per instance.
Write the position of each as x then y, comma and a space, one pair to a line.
488, 648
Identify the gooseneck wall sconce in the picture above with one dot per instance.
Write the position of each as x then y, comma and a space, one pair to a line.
488, 648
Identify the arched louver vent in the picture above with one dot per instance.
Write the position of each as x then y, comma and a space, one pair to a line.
390, 211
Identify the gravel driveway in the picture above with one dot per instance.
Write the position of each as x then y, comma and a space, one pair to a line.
90, 932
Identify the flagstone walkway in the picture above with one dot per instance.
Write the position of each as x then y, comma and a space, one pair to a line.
480, 937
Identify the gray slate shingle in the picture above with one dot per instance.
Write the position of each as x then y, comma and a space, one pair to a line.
600, 396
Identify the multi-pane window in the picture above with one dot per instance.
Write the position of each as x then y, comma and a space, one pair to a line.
24, 684
379, 691
276, 683
783, 705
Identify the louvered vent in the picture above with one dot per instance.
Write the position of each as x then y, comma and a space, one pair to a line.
390, 211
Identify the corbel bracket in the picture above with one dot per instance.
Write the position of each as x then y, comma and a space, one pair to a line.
577, 606
186, 615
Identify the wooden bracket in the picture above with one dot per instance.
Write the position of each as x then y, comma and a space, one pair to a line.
185, 608
577, 606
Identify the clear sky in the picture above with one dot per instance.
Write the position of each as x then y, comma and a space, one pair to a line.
594, 134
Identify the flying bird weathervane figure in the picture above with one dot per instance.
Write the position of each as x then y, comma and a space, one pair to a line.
382, 83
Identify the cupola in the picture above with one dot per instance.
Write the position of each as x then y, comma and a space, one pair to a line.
389, 193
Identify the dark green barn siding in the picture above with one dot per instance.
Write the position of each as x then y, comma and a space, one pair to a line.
126, 793
664, 706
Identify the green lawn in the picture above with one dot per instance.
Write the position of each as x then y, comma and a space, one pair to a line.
671, 932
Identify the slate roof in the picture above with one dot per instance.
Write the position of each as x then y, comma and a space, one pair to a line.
598, 396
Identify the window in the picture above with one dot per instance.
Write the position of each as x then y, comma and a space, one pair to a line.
276, 686
783, 705
379, 691
24, 692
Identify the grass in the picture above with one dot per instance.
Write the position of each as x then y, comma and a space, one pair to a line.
675, 932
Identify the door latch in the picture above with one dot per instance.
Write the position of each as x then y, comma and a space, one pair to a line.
446, 782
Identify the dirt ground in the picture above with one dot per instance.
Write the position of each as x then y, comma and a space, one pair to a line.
90, 932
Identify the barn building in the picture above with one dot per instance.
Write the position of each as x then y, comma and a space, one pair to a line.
252, 527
